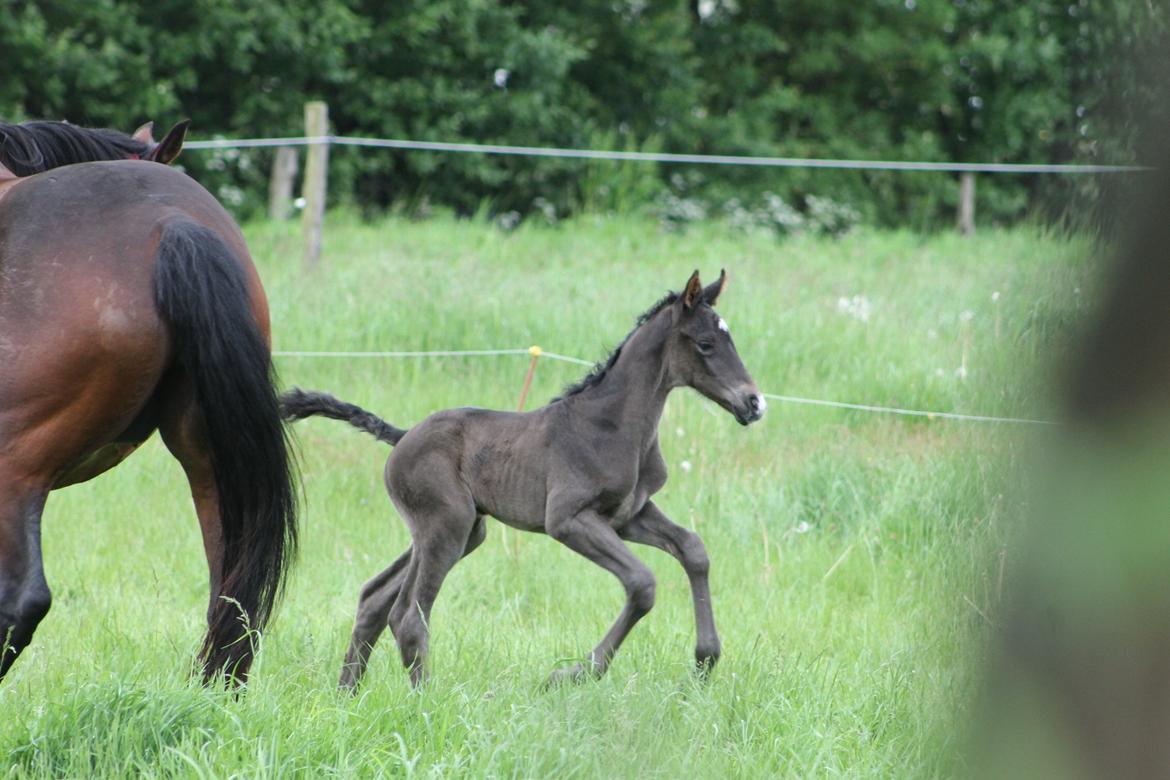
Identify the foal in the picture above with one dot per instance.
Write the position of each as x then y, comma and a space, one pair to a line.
581, 469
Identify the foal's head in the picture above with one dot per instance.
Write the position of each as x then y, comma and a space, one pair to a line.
701, 354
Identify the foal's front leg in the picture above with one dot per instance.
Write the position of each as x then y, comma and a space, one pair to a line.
654, 528
589, 534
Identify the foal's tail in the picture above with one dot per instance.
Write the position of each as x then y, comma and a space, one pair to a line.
297, 404
201, 291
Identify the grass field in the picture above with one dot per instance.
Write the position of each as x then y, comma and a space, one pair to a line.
855, 557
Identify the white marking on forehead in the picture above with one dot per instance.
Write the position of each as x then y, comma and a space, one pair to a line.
723, 325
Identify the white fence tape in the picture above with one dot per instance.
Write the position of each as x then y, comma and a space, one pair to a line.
668, 157
580, 362
425, 354
909, 412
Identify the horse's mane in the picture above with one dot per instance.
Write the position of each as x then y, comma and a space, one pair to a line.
599, 370
36, 146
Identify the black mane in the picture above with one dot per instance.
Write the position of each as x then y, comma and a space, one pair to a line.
597, 373
33, 147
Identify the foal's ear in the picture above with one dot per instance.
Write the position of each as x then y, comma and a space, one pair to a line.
171, 144
692, 292
144, 134
711, 292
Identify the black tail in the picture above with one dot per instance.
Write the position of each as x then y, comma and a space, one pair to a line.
200, 289
297, 404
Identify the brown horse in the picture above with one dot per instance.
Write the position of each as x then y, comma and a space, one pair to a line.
129, 302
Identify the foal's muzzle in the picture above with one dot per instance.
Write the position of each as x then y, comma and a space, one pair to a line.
749, 408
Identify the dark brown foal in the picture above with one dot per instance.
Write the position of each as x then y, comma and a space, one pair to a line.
581, 469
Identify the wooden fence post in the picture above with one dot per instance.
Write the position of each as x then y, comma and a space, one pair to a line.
316, 175
966, 216
280, 186
535, 352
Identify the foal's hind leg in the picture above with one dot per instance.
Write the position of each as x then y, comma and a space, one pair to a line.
373, 611
440, 538
654, 528
24, 594
377, 599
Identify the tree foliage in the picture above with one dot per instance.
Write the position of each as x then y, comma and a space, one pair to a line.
966, 80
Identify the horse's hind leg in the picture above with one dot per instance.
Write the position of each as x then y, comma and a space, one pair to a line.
24, 594
377, 599
181, 431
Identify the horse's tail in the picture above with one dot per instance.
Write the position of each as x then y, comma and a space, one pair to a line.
297, 404
201, 291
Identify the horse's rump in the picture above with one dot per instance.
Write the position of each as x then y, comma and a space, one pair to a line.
128, 301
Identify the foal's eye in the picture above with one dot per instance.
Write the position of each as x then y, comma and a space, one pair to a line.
705, 347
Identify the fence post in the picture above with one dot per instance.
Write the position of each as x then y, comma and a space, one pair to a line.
535, 352
316, 175
966, 216
280, 186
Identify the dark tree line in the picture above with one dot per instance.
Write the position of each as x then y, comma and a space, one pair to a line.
967, 80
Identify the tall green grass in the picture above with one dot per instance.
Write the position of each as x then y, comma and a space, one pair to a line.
855, 557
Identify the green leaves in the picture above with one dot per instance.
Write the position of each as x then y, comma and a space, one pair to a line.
970, 80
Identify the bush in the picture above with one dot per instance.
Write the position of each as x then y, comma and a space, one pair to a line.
1043, 81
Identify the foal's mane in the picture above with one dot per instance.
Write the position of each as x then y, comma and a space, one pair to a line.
599, 370
36, 146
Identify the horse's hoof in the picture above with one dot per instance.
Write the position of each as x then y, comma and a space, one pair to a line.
574, 674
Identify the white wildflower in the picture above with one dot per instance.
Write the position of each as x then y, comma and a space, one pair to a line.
858, 307
509, 220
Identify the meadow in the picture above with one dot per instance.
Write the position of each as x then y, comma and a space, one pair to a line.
857, 558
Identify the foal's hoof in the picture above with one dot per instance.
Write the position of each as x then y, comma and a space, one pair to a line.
575, 674
349, 680
704, 667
